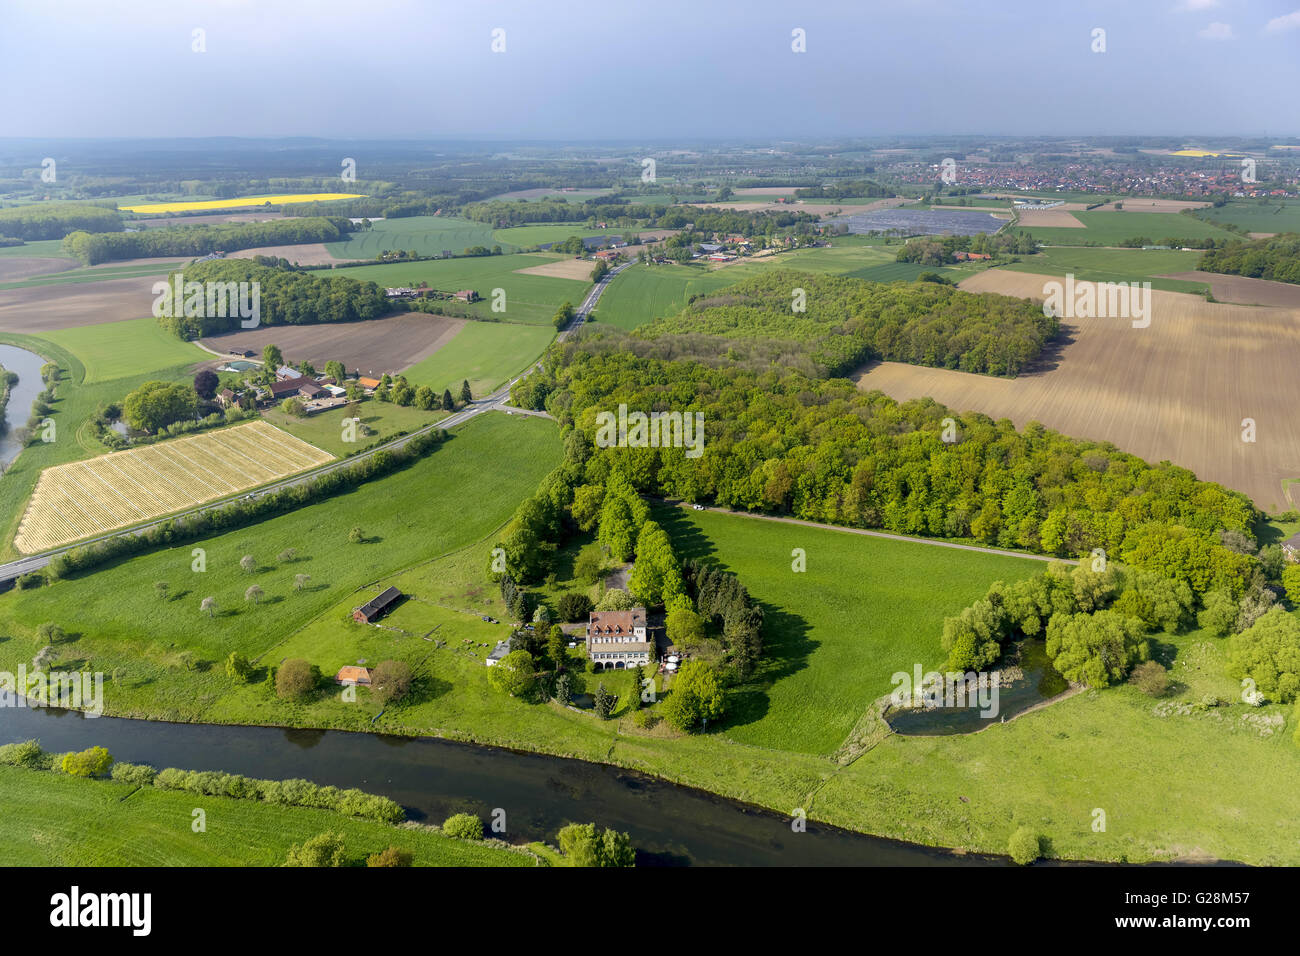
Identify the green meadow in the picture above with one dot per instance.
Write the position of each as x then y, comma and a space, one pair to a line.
325, 429
424, 235
531, 299
78, 276
864, 609
525, 237
48, 819
1110, 228
38, 249
643, 293
1276, 215
1114, 265
113, 350
487, 354
116, 618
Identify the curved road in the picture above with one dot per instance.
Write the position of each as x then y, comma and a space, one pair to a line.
494, 402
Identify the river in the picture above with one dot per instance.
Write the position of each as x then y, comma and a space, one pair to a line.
670, 825
28, 366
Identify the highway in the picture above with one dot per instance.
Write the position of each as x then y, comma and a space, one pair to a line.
497, 401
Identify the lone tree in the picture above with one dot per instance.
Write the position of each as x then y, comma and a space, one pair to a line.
466, 395
248, 563
205, 384
272, 358
300, 581
50, 632
287, 555
602, 703
208, 606
254, 594
295, 679
238, 666
356, 535
391, 681
448, 403
160, 589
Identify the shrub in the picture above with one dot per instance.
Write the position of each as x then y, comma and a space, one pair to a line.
1151, 678
393, 856
583, 846
295, 679
91, 762
323, 850
463, 826
139, 774
33, 579
1025, 846
27, 753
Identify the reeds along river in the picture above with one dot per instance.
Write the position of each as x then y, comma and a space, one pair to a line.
669, 825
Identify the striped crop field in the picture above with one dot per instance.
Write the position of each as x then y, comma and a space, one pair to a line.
247, 201
85, 498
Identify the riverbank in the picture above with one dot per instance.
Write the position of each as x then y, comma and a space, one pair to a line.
51, 819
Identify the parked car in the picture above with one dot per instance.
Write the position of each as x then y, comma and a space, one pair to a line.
698, 507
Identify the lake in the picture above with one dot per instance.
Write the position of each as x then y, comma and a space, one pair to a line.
28, 366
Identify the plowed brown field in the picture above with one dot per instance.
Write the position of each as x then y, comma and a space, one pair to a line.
1177, 390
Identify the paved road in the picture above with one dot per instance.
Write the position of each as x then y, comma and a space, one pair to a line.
497, 401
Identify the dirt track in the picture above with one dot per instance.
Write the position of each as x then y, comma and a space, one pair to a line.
1177, 390
374, 347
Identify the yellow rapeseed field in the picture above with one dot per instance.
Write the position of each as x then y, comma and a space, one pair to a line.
238, 203
84, 498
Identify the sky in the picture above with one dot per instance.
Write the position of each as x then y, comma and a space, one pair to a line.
640, 70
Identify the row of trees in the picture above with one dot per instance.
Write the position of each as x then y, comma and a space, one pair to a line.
92, 248
940, 250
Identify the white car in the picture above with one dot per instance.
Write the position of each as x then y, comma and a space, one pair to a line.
698, 507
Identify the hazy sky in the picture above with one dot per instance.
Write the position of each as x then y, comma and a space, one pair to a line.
634, 69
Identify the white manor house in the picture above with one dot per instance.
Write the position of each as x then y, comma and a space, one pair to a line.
617, 639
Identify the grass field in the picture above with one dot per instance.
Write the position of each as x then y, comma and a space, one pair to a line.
78, 276
524, 237
531, 299
246, 201
865, 609
1110, 228
425, 235
325, 430
644, 293
457, 494
38, 248
120, 349
1274, 216
49, 819
1114, 265
488, 354
85, 498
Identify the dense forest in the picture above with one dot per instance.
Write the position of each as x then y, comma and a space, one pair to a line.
92, 248
56, 220
821, 450
846, 322
1277, 258
286, 298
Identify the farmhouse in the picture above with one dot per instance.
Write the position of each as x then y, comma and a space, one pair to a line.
365, 382
351, 675
467, 295
498, 652
290, 386
618, 639
226, 398
1291, 547
376, 607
